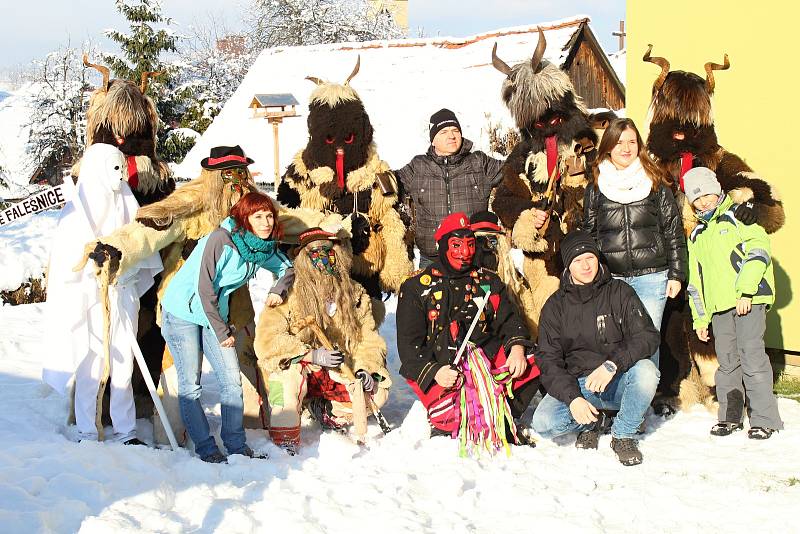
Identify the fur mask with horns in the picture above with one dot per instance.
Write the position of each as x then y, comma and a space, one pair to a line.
681, 118
340, 133
541, 97
120, 109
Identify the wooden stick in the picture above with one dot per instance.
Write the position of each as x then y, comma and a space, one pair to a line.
104, 299
357, 397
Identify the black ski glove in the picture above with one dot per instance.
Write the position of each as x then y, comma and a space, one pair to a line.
745, 213
361, 231
103, 252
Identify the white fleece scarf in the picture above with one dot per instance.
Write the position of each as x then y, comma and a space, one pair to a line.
627, 185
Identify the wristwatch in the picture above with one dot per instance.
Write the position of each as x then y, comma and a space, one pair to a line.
610, 366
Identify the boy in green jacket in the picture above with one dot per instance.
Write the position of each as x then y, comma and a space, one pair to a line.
731, 286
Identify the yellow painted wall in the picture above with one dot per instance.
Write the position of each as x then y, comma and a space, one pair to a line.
755, 105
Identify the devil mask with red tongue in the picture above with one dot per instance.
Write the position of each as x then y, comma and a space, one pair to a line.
339, 129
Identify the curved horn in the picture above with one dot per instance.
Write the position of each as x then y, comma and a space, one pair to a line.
538, 54
710, 67
498, 63
315, 80
355, 71
661, 62
100, 68
145, 77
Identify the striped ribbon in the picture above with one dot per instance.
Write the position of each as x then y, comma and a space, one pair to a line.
483, 406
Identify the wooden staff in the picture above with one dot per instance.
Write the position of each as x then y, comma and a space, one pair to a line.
359, 401
549, 196
104, 283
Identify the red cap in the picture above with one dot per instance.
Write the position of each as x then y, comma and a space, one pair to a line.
316, 234
451, 223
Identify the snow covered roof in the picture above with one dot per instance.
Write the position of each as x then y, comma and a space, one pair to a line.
279, 100
618, 61
402, 82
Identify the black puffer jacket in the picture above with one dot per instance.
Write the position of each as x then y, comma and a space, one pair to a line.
441, 185
582, 326
638, 238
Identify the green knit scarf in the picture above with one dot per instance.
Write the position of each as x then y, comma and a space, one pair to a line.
252, 248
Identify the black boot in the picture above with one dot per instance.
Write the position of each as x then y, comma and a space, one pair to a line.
589, 439
627, 450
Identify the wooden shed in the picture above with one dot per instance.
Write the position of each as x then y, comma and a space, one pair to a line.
590, 70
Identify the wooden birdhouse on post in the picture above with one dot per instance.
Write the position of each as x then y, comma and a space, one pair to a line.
274, 108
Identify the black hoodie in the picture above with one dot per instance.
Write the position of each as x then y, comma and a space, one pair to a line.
582, 326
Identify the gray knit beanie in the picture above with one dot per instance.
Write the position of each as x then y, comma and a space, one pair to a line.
700, 181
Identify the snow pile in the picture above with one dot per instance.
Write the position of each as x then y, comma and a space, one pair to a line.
397, 83
16, 163
403, 482
25, 248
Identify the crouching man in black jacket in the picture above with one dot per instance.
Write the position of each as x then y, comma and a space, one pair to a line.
595, 340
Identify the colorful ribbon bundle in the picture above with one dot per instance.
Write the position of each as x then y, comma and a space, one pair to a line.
484, 410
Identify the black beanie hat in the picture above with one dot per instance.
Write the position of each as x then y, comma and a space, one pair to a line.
576, 243
444, 118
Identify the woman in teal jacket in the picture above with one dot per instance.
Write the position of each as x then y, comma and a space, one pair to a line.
195, 312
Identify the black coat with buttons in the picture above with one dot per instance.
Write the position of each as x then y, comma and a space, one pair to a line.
640, 237
441, 185
434, 311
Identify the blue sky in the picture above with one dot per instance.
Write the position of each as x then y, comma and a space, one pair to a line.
27, 34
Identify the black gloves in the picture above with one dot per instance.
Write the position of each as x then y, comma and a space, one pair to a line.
361, 231
102, 252
745, 213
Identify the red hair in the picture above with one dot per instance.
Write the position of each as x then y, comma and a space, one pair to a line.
251, 203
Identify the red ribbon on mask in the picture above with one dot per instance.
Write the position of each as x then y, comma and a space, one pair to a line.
551, 148
133, 172
686, 164
340, 168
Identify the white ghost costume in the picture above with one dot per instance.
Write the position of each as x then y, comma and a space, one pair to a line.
101, 203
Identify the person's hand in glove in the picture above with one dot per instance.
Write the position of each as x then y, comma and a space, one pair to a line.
326, 357
367, 382
361, 231
745, 213
99, 254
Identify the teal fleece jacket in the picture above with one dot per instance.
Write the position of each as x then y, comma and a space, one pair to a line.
200, 291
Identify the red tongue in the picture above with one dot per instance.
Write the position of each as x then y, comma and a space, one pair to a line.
340, 168
133, 172
686, 164
551, 147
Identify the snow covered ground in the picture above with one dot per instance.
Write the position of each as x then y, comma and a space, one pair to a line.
403, 482
25, 248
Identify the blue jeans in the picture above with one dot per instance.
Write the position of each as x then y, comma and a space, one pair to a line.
652, 291
188, 342
630, 393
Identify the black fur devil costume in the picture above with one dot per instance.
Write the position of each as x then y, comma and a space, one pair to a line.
339, 170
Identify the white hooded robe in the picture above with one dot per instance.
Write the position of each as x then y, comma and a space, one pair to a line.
101, 203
